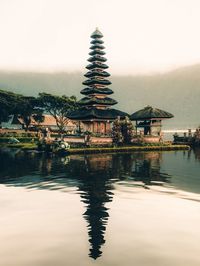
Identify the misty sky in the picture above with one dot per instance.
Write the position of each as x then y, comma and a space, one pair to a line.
140, 35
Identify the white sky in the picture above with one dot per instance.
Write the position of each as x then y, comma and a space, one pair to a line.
140, 35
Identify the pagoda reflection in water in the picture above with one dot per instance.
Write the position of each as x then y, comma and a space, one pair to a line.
94, 177
95, 193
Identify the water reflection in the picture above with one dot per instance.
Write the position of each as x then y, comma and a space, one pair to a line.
147, 169
95, 193
92, 176
197, 154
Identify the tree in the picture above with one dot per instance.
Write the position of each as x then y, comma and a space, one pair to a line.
127, 130
4, 108
39, 118
27, 108
122, 131
116, 132
58, 107
8, 104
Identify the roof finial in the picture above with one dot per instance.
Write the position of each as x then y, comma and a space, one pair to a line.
97, 33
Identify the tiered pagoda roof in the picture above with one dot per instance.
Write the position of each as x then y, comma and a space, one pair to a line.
97, 90
96, 104
95, 100
94, 113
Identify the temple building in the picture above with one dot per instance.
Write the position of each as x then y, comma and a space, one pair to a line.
95, 114
149, 121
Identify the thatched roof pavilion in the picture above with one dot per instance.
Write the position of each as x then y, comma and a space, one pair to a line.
150, 119
150, 113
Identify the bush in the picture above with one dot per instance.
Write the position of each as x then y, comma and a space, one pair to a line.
18, 135
21, 139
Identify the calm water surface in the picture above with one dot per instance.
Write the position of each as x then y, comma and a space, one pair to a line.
112, 209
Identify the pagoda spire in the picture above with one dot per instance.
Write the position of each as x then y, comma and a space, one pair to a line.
95, 113
97, 82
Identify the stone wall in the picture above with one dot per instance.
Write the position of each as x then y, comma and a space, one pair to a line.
74, 139
146, 139
101, 140
90, 140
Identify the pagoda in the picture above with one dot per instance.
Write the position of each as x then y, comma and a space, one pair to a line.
95, 113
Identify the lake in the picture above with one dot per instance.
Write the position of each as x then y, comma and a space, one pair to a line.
111, 209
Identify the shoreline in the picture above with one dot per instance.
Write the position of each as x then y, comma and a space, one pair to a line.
127, 149
94, 150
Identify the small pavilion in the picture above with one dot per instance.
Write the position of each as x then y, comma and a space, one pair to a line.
149, 120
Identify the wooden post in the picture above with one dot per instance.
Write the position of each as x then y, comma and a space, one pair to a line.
136, 126
150, 125
93, 126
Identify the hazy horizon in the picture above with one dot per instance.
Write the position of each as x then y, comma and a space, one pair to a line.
83, 70
177, 92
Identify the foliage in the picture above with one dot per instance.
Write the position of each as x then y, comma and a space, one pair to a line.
122, 131
127, 130
38, 117
27, 107
88, 133
58, 107
23, 146
116, 132
18, 134
8, 104
21, 139
22, 106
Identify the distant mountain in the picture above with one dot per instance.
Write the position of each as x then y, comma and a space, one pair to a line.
177, 91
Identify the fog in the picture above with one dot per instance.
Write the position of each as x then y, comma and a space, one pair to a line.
176, 91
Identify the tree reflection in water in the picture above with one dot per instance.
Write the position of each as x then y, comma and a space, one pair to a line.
92, 175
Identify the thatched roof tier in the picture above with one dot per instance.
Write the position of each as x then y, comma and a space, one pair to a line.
94, 41
97, 46
96, 81
96, 65
96, 51
96, 34
150, 113
94, 100
96, 72
93, 90
94, 113
97, 58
